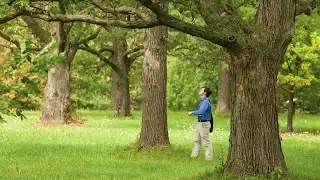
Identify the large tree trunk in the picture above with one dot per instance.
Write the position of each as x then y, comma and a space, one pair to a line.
154, 130
254, 138
57, 90
291, 110
120, 80
255, 146
223, 105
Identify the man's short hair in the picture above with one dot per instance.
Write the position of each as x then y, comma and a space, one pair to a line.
208, 91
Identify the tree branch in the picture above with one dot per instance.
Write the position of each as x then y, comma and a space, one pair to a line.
289, 64
101, 57
134, 56
281, 86
175, 23
93, 67
9, 47
121, 10
43, 35
18, 47
9, 39
96, 20
163, 18
109, 49
130, 51
93, 36
10, 17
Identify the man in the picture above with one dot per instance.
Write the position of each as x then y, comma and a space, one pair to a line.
204, 125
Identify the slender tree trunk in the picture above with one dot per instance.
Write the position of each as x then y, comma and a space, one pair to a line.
120, 80
290, 110
154, 130
57, 90
255, 146
223, 105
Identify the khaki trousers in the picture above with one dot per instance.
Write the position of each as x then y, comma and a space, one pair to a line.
202, 136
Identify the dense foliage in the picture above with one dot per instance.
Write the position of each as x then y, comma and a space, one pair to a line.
23, 74
301, 66
192, 65
91, 82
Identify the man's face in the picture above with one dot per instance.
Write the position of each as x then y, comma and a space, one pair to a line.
201, 92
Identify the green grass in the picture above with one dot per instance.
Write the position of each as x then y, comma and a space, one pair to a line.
301, 123
104, 149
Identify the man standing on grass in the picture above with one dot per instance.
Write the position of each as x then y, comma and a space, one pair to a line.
204, 125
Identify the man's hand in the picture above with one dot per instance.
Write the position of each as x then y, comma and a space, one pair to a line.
189, 113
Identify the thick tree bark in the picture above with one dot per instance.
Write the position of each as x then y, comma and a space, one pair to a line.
223, 105
255, 146
154, 130
120, 80
57, 90
254, 138
291, 110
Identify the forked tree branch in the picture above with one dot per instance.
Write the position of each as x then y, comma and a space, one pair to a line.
134, 56
130, 51
101, 57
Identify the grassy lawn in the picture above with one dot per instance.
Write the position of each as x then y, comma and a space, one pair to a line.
104, 149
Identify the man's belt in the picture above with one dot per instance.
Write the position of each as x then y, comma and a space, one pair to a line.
203, 120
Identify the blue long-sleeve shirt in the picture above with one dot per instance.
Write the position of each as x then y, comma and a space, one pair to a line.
204, 111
